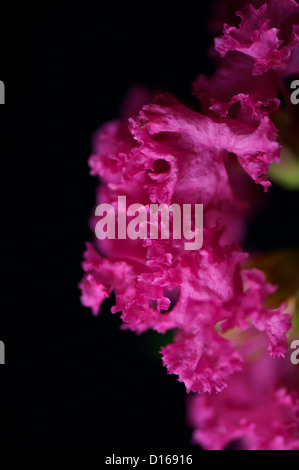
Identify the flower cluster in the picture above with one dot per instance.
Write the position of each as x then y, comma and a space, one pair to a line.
168, 153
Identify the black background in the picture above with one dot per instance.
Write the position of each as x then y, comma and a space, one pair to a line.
72, 381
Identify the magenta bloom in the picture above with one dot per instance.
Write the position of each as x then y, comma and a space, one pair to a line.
258, 411
173, 154
168, 153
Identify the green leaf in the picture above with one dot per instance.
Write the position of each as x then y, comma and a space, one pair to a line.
286, 173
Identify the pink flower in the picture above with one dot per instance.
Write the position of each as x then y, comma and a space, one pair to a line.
259, 410
181, 156
256, 56
268, 35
